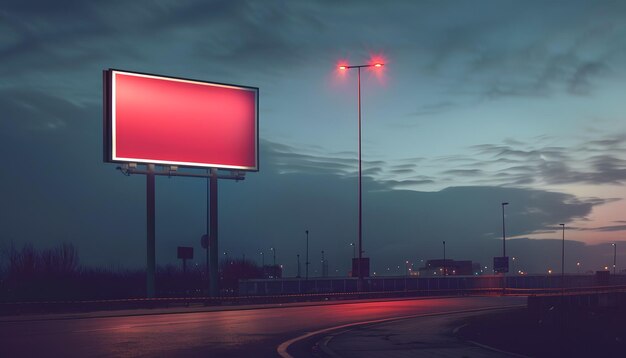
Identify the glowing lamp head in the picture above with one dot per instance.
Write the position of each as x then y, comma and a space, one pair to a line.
342, 67
378, 64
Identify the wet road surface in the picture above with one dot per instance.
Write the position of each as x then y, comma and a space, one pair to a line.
424, 337
232, 333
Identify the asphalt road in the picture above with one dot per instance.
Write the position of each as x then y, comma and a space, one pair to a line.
229, 333
424, 337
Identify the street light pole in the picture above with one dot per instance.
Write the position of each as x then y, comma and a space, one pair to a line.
503, 232
360, 280
563, 259
614, 257
273, 255
445, 267
298, 265
307, 255
504, 249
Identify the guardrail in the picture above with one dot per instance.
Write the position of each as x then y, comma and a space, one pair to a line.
16, 308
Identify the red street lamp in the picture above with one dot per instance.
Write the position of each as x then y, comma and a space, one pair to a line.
358, 67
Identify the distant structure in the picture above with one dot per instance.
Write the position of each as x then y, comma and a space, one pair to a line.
441, 267
273, 271
324, 266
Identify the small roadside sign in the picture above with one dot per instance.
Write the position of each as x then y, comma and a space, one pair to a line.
185, 253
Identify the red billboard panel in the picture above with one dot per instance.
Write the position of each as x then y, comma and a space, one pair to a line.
182, 122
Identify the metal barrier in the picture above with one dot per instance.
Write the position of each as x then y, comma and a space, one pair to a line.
260, 287
137, 303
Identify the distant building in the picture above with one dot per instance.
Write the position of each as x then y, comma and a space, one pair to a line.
449, 267
273, 271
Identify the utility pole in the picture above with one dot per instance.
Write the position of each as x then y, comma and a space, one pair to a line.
307, 255
614, 257
504, 251
563, 260
298, 266
445, 266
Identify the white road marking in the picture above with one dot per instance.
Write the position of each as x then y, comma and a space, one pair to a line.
283, 347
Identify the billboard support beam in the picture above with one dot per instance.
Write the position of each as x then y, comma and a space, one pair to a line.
235, 175
150, 230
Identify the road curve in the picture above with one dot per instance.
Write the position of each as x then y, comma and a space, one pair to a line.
232, 333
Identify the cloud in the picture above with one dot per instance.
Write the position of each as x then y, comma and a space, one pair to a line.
433, 108
407, 183
289, 159
595, 161
28, 109
580, 80
463, 172
468, 218
402, 171
609, 228
517, 163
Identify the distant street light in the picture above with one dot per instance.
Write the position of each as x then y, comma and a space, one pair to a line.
614, 257
358, 67
503, 231
262, 262
445, 266
273, 255
353, 250
298, 266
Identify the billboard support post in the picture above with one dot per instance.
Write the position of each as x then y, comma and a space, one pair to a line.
185, 253
212, 177
150, 230
214, 276
208, 231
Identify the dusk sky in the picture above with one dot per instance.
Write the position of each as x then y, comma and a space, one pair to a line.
479, 102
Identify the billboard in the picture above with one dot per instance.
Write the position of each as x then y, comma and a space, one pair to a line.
185, 252
176, 121
501, 264
365, 265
